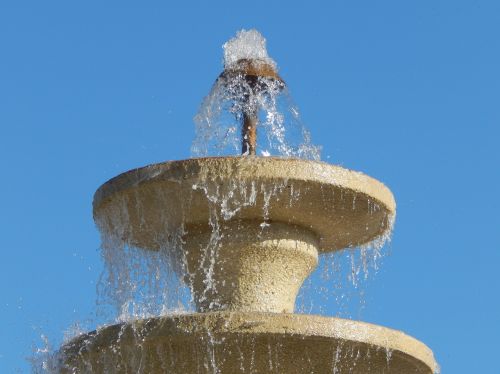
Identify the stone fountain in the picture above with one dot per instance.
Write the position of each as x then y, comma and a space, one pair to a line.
245, 264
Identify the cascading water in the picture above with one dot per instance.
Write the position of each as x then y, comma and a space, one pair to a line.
280, 131
233, 238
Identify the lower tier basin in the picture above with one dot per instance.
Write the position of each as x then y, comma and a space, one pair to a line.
246, 342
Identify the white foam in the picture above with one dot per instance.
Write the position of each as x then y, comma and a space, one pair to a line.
280, 131
247, 44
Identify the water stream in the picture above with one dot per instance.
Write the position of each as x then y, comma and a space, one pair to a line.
280, 130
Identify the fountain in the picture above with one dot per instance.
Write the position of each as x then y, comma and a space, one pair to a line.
243, 233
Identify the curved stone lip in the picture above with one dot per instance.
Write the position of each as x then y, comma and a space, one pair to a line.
286, 325
316, 176
322, 172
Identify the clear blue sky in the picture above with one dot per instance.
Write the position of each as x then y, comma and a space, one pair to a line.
406, 91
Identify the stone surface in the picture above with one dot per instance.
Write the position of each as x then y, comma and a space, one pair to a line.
254, 268
235, 342
252, 227
343, 207
251, 230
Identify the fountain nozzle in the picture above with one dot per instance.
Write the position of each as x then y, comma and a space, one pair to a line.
254, 71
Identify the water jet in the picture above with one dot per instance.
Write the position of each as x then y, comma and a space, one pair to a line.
244, 232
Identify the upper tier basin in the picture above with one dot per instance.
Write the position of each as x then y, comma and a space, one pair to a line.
342, 207
244, 232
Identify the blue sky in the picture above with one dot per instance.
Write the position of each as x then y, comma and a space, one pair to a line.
405, 91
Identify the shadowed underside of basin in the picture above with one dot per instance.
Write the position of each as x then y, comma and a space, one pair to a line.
343, 208
235, 342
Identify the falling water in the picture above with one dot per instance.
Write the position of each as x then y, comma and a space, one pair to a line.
280, 130
139, 283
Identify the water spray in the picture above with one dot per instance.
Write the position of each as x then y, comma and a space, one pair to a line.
256, 74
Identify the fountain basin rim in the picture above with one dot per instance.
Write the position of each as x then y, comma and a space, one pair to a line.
303, 326
116, 183
339, 222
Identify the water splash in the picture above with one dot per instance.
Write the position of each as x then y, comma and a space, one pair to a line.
280, 131
249, 45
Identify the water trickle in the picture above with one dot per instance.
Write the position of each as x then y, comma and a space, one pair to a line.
341, 277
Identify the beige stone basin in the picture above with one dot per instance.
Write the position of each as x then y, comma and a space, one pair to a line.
252, 227
344, 208
235, 342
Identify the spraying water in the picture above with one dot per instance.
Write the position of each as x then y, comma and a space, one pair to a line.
249, 99
247, 45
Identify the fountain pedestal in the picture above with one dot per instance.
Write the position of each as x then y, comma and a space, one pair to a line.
255, 266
